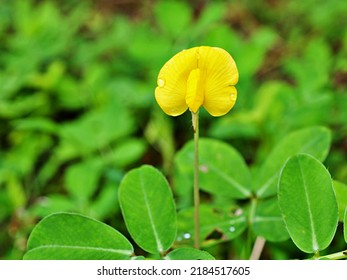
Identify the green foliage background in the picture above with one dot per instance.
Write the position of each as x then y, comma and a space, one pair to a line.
77, 107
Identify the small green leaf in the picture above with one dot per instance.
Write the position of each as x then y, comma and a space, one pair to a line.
310, 74
268, 222
81, 179
223, 171
159, 133
15, 191
216, 225
189, 254
67, 236
106, 202
341, 197
128, 152
307, 202
314, 141
255, 51
212, 13
53, 203
94, 130
36, 124
148, 209
138, 258
166, 15
345, 226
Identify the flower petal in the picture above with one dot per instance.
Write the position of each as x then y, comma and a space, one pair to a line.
172, 82
220, 102
195, 96
221, 76
200, 76
171, 106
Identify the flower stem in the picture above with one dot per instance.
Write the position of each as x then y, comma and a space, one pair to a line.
195, 120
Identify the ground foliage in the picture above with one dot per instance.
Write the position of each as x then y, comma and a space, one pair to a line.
77, 112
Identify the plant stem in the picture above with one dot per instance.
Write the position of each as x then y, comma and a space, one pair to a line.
336, 256
195, 120
250, 237
257, 248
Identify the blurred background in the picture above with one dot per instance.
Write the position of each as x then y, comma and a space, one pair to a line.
77, 107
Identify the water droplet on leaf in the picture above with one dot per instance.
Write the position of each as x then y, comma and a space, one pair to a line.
186, 235
161, 82
232, 229
238, 212
204, 168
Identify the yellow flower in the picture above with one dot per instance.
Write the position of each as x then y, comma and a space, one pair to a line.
200, 76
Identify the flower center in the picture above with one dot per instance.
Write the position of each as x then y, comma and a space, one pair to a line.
195, 94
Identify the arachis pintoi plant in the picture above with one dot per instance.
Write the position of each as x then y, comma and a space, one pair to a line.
200, 76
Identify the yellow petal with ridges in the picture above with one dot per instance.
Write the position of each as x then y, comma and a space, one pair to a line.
200, 76
195, 94
218, 104
221, 76
172, 82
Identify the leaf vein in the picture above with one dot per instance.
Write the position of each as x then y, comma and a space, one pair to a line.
118, 251
230, 180
150, 217
312, 225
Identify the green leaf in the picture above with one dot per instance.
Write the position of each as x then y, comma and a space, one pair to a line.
310, 74
106, 202
268, 222
166, 15
22, 105
216, 224
341, 197
127, 152
213, 13
95, 130
53, 203
37, 124
159, 132
148, 209
188, 254
67, 236
81, 179
345, 226
223, 171
307, 202
254, 51
15, 191
314, 141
